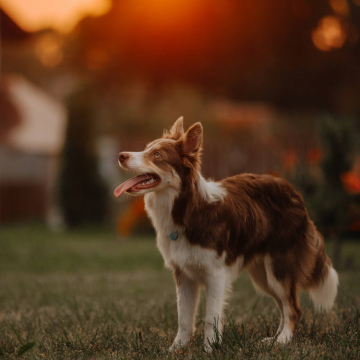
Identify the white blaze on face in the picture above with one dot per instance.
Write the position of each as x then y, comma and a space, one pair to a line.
135, 161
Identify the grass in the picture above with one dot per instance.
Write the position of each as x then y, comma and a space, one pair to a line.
86, 295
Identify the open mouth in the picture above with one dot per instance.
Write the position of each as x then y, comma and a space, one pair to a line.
137, 183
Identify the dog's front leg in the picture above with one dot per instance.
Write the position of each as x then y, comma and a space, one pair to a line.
215, 293
187, 292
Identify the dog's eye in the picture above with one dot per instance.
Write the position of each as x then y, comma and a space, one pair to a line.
157, 154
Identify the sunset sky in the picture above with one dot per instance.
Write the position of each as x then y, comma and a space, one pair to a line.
62, 15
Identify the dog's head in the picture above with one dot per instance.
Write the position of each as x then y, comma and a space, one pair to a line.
165, 162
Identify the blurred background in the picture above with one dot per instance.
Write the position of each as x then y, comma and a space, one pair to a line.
275, 84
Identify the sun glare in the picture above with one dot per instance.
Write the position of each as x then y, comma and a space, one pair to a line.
162, 13
62, 15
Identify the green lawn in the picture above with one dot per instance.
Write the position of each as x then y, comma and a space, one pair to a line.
87, 295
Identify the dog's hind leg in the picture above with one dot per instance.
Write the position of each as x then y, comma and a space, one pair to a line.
258, 276
285, 289
284, 293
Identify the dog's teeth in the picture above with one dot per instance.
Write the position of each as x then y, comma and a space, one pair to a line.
149, 181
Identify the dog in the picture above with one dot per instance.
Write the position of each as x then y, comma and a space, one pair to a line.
208, 232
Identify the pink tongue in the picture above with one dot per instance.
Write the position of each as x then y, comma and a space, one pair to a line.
128, 184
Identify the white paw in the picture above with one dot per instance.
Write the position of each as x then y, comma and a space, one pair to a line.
283, 339
174, 347
280, 339
177, 344
268, 339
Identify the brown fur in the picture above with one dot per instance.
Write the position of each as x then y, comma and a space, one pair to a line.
177, 275
261, 215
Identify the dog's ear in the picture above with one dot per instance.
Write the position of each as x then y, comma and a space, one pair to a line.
177, 130
193, 139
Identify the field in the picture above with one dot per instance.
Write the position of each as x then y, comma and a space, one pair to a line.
87, 295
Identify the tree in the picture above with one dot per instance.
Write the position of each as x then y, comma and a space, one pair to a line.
83, 195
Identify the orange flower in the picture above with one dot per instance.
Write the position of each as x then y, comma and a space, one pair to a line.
351, 182
290, 159
313, 156
127, 220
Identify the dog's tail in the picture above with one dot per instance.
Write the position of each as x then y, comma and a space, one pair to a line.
324, 288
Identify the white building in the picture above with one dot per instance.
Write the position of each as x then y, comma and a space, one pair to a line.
29, 151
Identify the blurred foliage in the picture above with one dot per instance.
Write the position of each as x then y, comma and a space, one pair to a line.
329, 201
83, 195
252, 72
331, 198
256, 50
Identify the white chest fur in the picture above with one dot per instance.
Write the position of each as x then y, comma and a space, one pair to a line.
194, 260
159, 206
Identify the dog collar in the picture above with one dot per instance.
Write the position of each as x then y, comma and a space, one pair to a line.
174, 235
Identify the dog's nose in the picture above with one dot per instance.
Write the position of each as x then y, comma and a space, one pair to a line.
123, 157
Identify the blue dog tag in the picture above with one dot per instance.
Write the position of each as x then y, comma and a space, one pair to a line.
174, 235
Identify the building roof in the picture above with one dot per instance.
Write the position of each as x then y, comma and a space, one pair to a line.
42, 124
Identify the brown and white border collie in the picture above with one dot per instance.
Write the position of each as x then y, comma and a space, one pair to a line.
207, 232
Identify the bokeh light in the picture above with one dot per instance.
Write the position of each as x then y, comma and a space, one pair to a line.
330, 34
340, 6
48, 48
